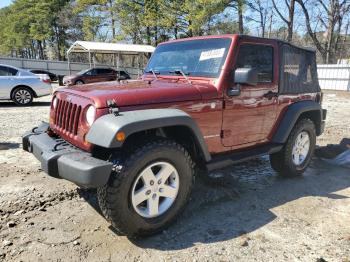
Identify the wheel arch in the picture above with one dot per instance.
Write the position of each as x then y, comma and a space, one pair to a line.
300, 110
28, 87
141, 125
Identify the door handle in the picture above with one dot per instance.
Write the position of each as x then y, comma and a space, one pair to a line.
270, 95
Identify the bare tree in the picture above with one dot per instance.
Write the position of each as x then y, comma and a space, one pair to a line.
332, 22
288, 20
262, 8
239, 6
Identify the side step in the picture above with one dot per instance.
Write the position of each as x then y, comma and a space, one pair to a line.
236, 157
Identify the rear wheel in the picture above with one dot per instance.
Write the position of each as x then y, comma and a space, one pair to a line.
22, 96
296, 154
148, 191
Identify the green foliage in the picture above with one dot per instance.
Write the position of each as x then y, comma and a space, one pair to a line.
152, 21
96, 14
29, 26
46, 28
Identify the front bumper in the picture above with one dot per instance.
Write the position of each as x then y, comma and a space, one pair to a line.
59, 159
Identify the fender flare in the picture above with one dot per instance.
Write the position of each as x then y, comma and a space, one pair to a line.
291, 117
105, 128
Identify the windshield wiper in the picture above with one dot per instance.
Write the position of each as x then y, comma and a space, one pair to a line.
180, 72
155, 73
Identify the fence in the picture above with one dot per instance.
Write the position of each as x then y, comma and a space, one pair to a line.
58, 67
334, 77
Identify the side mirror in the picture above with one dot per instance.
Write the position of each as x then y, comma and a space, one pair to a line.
247, 76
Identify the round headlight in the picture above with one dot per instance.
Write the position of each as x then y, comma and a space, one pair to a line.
54, 103
90, 115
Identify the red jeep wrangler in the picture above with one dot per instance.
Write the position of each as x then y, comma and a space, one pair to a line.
204, 102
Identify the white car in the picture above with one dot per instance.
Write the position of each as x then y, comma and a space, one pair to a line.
22, 86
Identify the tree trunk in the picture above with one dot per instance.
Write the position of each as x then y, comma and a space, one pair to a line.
311, 33
190, 31
291, 21
270, 26
148, 35
240, 16
155, 35
41, 51
175, 32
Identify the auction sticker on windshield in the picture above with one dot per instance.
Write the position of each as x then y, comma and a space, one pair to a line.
210, 54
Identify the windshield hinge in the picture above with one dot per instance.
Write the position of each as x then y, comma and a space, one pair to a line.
113, 109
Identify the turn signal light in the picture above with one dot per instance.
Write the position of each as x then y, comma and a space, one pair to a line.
120, 136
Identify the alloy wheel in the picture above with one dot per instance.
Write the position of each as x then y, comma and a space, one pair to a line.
155, 189
301, 148
23, 96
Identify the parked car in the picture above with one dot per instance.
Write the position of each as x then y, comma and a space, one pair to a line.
53, 77
203, 103
94, 75
123, 75
21, 86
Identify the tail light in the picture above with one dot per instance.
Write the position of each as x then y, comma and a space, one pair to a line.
47, 81
45, 78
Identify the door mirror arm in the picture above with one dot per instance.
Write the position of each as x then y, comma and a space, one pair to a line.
234, 90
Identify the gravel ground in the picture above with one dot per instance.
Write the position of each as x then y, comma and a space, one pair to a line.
247, 214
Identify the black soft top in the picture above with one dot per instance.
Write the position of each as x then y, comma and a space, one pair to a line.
279, 41
298, 69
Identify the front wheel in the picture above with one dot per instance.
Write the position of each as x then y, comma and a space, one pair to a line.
296, 154
149, 190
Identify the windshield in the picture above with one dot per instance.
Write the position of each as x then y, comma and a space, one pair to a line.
203, 57
83, 71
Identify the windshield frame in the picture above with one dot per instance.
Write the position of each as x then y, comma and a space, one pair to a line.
226, 41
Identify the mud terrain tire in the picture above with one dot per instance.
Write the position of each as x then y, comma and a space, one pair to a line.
115, 198
283, 162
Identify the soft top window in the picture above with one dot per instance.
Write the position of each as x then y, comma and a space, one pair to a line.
298, 72
259, 57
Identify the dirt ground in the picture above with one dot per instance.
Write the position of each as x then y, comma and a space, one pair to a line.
249, 215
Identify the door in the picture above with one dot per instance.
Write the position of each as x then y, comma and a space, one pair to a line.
106, 74
7, 75
248, 117
90, 76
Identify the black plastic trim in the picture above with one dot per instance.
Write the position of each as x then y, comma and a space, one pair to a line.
290, 118
62, 160
232, 158
103, 131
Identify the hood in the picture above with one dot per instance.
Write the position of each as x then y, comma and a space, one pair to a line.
139, 92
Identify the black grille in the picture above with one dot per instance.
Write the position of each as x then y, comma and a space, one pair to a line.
67, 116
